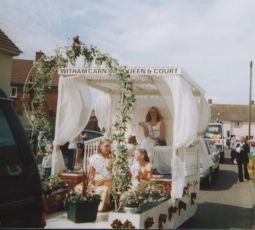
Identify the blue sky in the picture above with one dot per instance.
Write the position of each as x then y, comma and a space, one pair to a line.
213, 40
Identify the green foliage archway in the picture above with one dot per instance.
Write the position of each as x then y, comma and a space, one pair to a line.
47, 66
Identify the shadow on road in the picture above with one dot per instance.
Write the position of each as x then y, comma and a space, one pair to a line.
223, 180
227, 216
227, 161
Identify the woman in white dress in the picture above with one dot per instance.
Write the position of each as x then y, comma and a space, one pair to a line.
100, 174
154, 130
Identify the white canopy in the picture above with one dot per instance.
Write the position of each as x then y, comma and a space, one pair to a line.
184, 107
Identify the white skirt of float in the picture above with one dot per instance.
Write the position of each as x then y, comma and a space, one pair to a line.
165, 215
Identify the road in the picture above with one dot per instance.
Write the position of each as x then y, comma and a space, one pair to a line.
227, 204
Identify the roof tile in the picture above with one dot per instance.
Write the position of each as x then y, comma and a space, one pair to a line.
229, 112
20, 71
6, 45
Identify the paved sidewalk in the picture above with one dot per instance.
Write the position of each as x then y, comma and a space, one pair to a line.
59, 220
252, 191
228, 204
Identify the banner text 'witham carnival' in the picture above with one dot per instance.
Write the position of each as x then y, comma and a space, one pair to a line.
131, 71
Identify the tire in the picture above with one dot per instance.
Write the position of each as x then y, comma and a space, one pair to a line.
217, 169
222, 157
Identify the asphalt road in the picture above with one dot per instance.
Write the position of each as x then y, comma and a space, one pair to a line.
226, 205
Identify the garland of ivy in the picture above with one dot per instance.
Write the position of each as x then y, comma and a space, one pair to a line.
47, 66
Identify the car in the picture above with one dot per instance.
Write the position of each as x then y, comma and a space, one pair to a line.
214, 133
206, 174
91, 134
21, 201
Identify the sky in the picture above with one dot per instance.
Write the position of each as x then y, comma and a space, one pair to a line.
212, 40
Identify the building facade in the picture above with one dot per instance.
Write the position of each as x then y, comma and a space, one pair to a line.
7, 51
235, 118
20, 74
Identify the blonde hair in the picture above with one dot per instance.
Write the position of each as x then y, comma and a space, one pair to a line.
243, 139
49, 147
101, 143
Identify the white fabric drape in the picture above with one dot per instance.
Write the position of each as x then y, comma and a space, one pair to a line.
185, 112
103, 111
73, 112
204, 114
185, 126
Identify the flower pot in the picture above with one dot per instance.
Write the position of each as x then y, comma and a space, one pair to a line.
82, 211
55, 202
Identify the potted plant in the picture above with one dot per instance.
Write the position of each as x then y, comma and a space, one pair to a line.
82, 207
146, 195
54, 191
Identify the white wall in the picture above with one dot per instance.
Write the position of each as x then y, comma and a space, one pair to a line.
226, 128
5, 72
241, 131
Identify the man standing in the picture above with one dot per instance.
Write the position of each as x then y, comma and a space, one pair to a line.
242, 159
71, 154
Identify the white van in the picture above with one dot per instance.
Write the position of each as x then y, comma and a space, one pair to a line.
214, 132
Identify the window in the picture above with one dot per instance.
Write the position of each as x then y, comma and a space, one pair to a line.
14, 91
6, 136
10, 164
212, 130
237, 124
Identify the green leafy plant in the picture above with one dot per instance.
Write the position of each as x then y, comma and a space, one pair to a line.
147, 194
80, 198
35, 88
51, 184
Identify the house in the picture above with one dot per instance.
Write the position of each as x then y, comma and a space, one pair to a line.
23, 71
235, 118
7, 51
20, 74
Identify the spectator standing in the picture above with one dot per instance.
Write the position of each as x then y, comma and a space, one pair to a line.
79, 150
47, 161
242, 151
71, 154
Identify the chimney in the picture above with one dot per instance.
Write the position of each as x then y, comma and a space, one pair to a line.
210, 101
38, 55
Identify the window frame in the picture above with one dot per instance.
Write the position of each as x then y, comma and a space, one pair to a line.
238, 124
16, 92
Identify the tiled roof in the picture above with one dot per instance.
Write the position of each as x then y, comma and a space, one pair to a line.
7, 46
20, 70
232, 112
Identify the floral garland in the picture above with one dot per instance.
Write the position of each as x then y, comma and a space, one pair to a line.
47, 66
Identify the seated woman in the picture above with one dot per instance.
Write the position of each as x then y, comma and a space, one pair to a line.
154, 130
100, 174
142, 168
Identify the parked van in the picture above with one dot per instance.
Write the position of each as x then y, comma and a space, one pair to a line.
206, 173
21, 204
214, 132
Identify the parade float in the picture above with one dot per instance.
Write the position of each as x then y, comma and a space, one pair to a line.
127, 94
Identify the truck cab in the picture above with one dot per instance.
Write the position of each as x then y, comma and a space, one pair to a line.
214, 132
